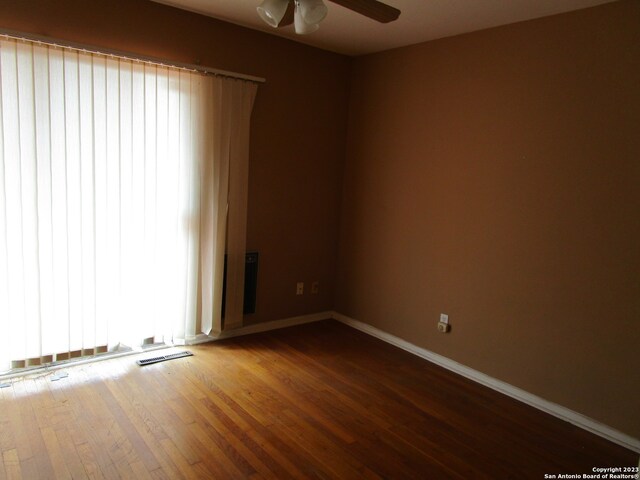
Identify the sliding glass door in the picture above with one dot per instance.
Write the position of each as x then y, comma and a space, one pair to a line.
102, 162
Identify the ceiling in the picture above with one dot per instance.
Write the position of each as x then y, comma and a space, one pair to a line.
346, 32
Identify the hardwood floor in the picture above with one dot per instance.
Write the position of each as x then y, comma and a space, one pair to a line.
316, 401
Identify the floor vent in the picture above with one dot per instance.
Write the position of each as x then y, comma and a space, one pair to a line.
162, 358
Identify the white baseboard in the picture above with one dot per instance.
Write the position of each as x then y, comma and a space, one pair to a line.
264, 327
199, 338
554, 409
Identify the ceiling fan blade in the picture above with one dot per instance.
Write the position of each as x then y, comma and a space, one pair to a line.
371, 8
288, 15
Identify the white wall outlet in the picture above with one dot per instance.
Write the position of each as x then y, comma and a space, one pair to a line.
299, 288
444, 318
443, 327
315, 287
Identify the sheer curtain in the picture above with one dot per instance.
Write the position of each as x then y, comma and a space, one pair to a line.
114, 187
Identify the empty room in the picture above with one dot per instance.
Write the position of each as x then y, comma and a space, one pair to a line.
323, 239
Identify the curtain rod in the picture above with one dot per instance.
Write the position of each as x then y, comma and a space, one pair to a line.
126, 55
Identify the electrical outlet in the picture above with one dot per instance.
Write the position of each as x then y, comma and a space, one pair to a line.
315, 287
299, 288
443, 327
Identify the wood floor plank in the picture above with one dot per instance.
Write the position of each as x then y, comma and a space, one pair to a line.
246, 432
89, 462
292, 389
217, 458
150, 433
94, 429
71, 457
121, 411
7, 438
317, 401
140, 471
58, 460
265, 441
11, 465
322, 379
229, 441
29, 441
184, 467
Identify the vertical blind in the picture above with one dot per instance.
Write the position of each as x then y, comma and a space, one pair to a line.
114, 180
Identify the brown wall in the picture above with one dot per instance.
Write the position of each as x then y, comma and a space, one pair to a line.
298, 127
495, 176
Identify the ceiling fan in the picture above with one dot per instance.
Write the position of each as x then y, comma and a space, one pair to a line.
306, 15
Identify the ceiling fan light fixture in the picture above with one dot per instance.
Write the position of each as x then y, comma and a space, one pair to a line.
306, 15
272, 11
301, 26
313, 11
